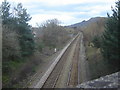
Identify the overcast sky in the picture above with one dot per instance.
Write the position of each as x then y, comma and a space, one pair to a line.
67, 11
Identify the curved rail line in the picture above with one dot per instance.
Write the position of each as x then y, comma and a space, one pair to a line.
74, 72
55, 68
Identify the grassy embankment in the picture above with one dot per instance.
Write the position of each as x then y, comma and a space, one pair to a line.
97, 66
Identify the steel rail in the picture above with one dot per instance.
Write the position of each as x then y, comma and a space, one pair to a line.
51, 68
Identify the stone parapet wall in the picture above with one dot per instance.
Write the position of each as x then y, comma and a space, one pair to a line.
108, 81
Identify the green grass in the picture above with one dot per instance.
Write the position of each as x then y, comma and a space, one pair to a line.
34, 68
90, 51
5, 78
15, 65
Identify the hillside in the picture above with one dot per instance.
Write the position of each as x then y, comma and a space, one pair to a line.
94, 26
85, 23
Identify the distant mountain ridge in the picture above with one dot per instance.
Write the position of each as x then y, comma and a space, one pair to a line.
85, 23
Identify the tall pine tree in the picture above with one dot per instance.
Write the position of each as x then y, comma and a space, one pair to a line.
5, 14
110, 39
25, 33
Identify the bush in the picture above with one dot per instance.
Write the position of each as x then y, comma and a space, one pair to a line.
54, 35
10, 47
96, 41
41, 46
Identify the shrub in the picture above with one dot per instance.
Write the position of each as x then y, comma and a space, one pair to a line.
96, 41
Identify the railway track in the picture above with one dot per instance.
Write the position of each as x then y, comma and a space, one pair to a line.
73, 73
65, 72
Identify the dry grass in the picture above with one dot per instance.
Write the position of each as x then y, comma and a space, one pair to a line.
92, 29
96, 64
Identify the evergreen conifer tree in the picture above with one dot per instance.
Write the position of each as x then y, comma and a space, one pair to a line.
5, 14
25, 34
110, 38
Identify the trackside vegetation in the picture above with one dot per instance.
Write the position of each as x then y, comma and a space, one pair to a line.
25, 48
110, 45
